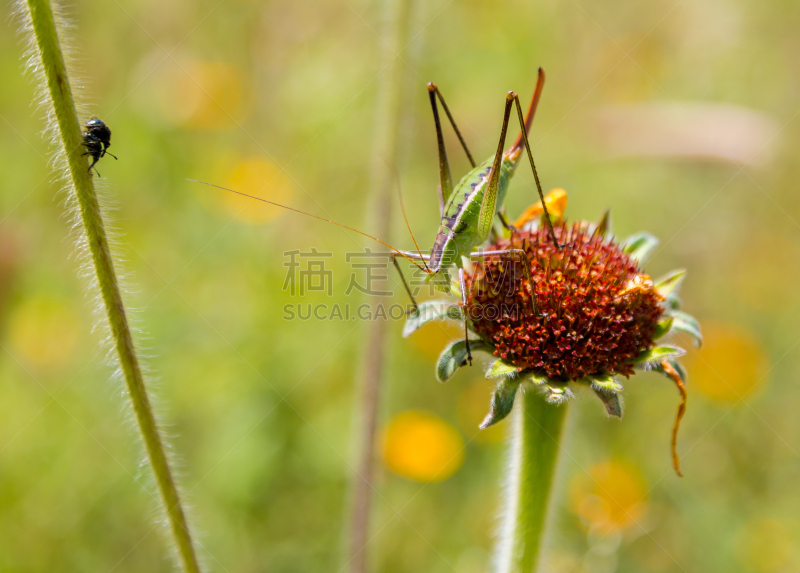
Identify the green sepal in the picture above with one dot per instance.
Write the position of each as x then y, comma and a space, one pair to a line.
673, 302
688, 324
502, 402
502, 368
663, 327
657, 354
604, 225
603, 383
607, 389
669, 283
639, 246
611, 401
454, 357
557, 393
429, 311
535, 378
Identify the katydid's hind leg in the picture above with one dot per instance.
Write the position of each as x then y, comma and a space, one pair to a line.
463, 284
489, 203
524, 258
535, 173
405, 286
435, 88
445, 177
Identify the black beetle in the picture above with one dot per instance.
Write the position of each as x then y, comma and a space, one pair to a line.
97, 140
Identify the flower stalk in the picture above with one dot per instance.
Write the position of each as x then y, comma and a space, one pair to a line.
598, 319
537, 432
389, 107
42, 23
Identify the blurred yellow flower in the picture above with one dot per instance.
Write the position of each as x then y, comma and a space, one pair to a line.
765, 545
473, 405
422, 447
556, 201
256, 176
731, 365
44, 331
610, 498
206, 95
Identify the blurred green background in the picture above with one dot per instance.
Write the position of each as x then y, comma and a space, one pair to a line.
679, 116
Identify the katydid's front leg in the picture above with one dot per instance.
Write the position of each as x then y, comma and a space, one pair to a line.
463, 284
410, 255
405, 285
501, 214
413, 255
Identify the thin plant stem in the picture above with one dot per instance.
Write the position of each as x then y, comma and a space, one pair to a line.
537, 432
53, 67
383, 180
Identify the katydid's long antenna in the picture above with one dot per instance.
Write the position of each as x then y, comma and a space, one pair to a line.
405, 217
435, 88
533, 166
396, 251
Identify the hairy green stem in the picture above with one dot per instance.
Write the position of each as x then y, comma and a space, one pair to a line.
535, 444
69, 129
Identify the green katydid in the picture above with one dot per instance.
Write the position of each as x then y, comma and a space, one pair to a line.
468, 208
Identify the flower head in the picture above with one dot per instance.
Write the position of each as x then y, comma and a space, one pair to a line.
594, 310
579, 312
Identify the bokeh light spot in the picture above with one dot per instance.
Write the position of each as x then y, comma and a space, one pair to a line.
257, 176
206, 95
422, 447
431, 339
731, 365
610, 498
764, 545
44, 331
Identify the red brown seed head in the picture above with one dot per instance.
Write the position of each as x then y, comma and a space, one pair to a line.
596, 310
